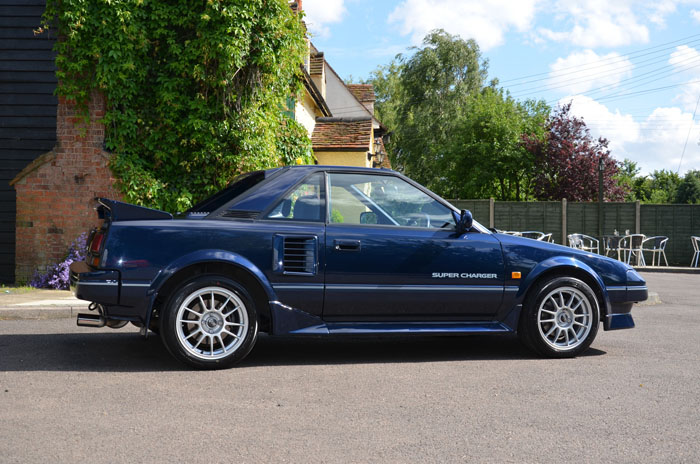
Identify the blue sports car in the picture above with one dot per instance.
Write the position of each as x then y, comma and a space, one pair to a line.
326, 250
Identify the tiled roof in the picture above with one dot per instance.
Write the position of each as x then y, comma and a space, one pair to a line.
348, 133
316, 64
363, 92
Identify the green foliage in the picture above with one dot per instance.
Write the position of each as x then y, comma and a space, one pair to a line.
195, 89
448, 131
336, 217
486, 152
657, 188
689, 188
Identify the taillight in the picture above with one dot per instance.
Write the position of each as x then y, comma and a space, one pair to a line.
96, 243
95, 248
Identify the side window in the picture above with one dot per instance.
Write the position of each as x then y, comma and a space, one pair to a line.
382, 199
304, 203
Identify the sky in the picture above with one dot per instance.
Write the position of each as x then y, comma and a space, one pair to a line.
631, 68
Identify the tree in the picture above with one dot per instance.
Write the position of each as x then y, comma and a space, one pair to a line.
194, 89
447, 130
689, 188
566, 161
421, 98
486, 154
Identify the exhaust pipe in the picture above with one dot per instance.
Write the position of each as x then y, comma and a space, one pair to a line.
91, 320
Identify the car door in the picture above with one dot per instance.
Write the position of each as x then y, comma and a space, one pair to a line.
392, 254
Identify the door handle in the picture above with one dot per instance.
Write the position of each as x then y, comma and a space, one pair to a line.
346, 245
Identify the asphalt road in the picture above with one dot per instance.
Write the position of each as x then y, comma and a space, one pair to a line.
70, 394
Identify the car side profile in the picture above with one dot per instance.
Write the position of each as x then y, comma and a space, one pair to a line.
333, 250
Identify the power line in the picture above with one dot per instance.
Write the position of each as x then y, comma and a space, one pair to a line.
688, 136
597, 64
637, 53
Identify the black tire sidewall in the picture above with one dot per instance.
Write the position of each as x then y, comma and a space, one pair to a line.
529, 329
168, 322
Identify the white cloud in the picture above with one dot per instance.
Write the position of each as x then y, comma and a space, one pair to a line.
600, 23
654, 143
695, 14
484, 21
582, 71
320, 13
686, 62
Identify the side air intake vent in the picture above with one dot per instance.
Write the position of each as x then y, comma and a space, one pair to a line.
240, 214
295, 255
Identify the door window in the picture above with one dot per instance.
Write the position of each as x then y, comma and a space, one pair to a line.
387, 200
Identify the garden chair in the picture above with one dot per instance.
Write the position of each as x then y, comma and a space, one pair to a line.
612, 245
584, 242
696, 246
656, 246
532, 234
546, 238
631, 245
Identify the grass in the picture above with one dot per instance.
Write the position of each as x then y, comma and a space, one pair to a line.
4, 289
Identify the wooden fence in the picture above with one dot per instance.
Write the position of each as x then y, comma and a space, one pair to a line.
677, 222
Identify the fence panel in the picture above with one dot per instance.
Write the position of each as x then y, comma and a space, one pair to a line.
677, 222
479, 209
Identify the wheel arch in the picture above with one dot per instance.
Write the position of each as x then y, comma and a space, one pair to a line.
567, 267
222, 263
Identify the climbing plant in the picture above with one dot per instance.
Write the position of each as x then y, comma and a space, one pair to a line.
195, 90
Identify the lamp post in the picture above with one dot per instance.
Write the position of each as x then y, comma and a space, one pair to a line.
601, 170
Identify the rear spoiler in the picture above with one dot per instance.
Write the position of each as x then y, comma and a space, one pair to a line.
112, 210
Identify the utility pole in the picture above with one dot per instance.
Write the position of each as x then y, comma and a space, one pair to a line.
601, 170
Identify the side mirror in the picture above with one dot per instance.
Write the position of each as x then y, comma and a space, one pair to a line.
368, 217
464, 221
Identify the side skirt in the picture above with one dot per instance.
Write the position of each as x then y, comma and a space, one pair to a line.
365, 328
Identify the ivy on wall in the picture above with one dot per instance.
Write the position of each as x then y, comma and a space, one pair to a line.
195, 90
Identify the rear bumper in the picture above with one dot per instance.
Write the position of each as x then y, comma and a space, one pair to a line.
99, 286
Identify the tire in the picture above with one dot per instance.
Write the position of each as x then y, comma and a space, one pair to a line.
560, 318
209, 323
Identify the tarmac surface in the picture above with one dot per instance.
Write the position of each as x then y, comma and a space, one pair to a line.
72, 394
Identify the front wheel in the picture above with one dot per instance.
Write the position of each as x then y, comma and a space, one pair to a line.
209, 323
560, 318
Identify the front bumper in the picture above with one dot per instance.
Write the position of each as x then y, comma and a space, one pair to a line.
99, 286
622, 299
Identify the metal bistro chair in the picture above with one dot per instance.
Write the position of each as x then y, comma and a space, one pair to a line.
631, 245
584, 242
696, 246
656, 246
546, 238
533, 234
612, 245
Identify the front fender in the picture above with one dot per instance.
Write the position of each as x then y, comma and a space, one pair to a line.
564, 264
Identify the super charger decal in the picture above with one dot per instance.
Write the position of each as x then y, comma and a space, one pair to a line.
463, 275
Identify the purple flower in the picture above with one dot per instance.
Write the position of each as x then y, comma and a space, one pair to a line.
57, 275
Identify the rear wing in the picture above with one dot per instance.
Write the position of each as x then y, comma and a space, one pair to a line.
112, 211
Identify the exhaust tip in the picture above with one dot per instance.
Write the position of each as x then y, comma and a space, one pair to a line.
90, 320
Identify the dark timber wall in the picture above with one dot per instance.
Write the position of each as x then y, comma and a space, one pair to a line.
27, 109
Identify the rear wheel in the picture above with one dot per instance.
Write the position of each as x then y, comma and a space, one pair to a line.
560, 318
209, 323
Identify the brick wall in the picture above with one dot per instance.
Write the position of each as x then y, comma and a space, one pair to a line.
55, 193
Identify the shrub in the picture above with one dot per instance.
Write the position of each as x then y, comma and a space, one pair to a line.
57, 275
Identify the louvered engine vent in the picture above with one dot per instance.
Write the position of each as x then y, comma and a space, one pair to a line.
299, 255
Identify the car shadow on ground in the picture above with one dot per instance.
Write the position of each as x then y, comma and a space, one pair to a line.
129, 352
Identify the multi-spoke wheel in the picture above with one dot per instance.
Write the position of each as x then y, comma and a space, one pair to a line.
560, 317
210, 323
